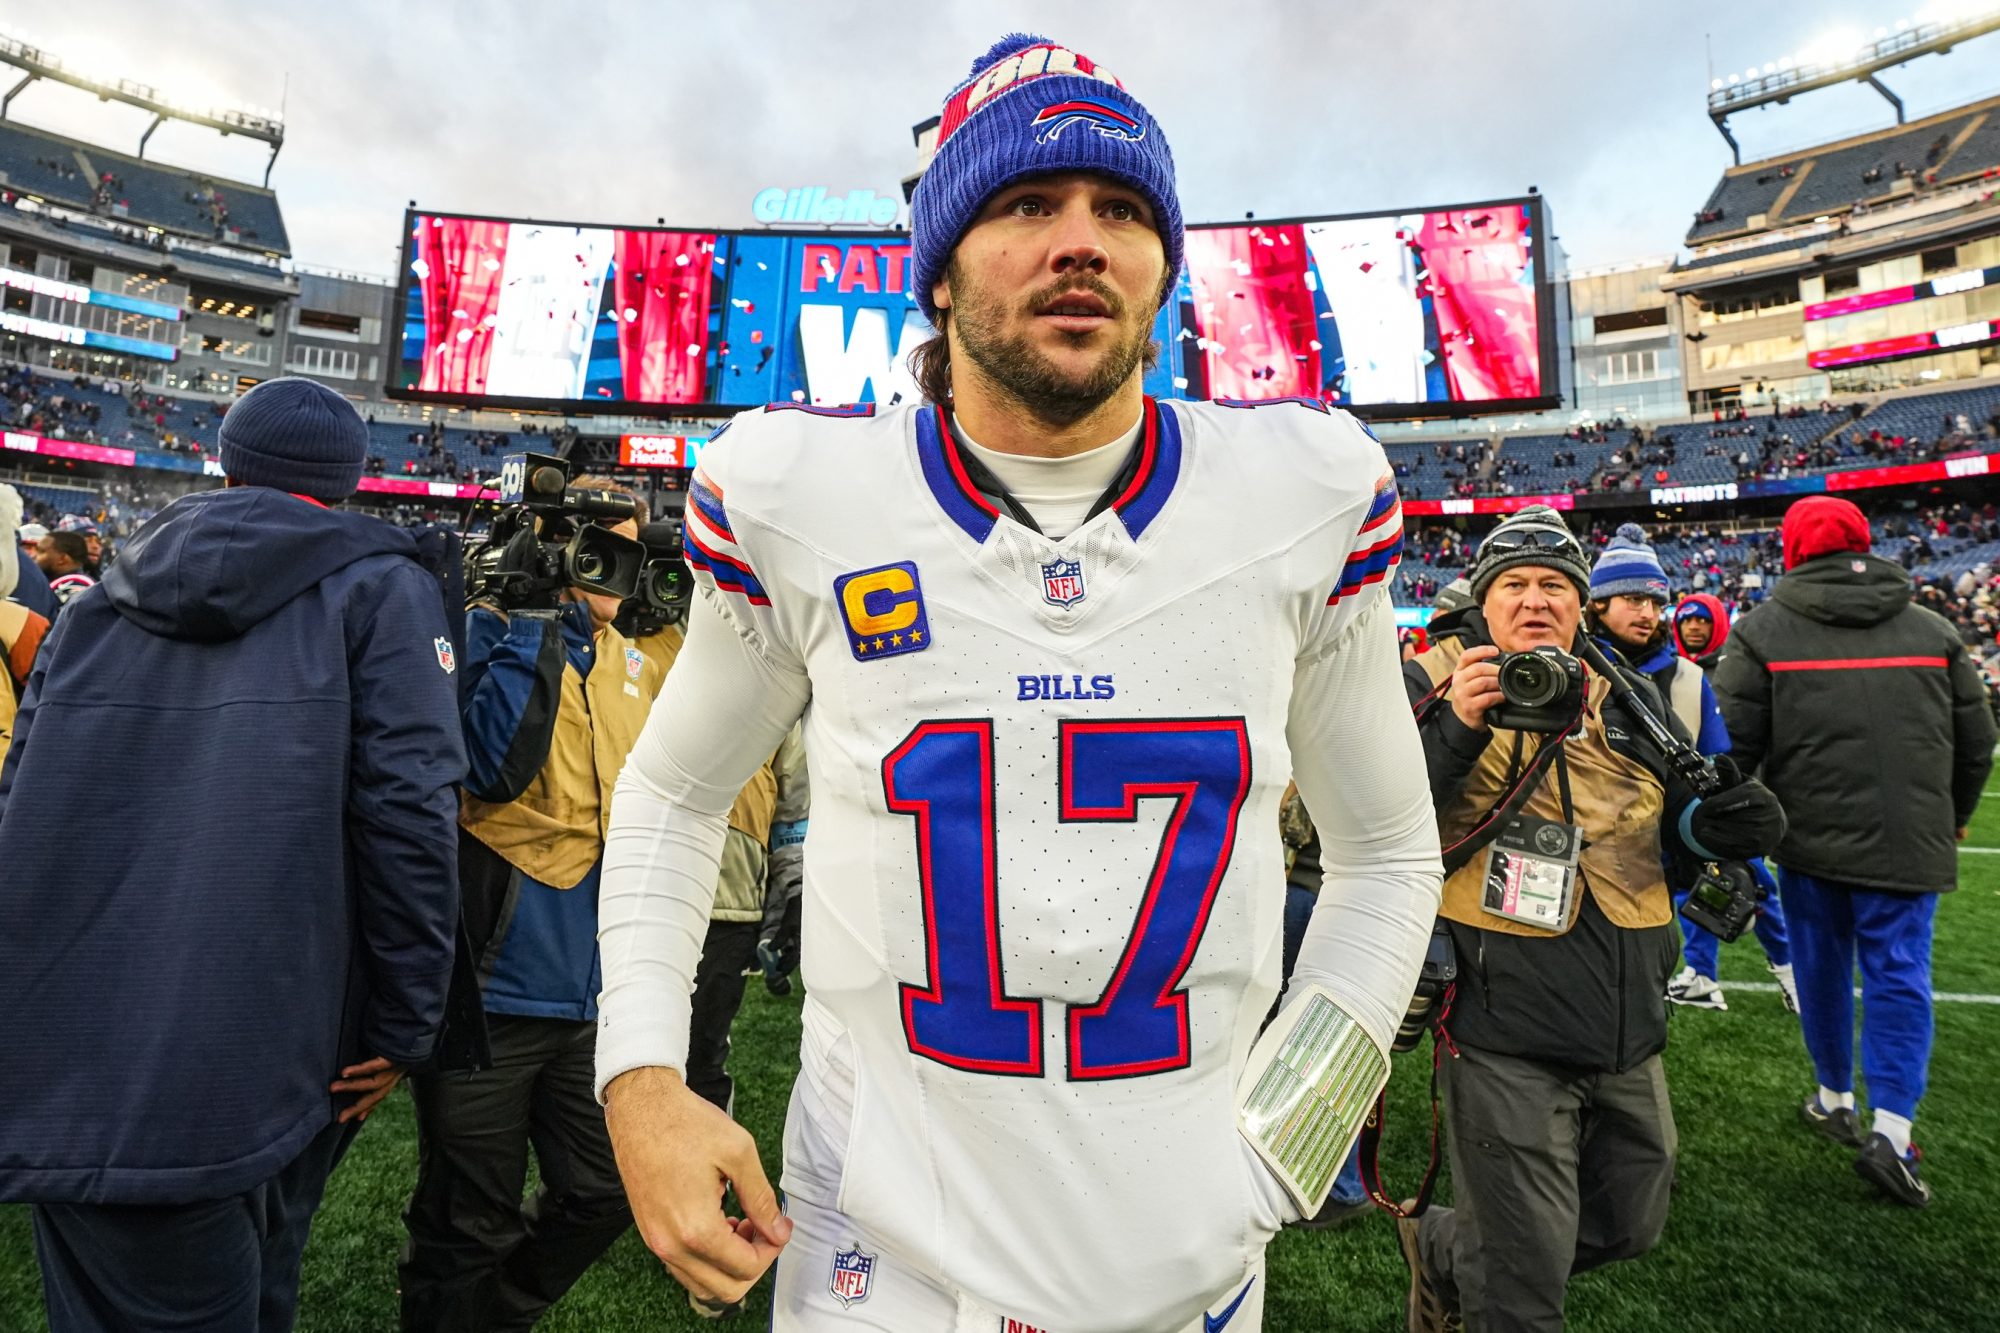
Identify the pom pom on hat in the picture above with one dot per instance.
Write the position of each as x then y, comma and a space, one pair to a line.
1629, 568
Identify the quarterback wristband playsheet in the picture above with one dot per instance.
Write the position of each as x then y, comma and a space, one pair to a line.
1311, 1078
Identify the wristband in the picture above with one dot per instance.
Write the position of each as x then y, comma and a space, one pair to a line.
1311, 1080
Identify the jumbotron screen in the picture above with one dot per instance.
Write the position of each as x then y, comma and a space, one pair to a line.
1406, 314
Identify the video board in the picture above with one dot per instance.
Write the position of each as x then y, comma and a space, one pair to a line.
1442, 311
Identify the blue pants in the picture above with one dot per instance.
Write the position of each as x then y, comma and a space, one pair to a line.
1299, 903
227, 1265
1834, 927
1700, 947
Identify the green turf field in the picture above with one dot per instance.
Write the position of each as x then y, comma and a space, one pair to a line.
1770, 1232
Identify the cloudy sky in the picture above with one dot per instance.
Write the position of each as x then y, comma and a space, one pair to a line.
624, 112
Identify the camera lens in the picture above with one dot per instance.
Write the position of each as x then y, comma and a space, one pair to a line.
589, 565
1529, 680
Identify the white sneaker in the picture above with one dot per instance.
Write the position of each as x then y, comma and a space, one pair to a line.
1690, 988
1788, 987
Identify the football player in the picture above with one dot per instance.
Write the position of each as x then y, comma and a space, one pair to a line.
1057, 646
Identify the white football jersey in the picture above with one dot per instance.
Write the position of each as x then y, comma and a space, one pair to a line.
1044, 885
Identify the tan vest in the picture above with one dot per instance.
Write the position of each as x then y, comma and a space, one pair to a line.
757, 803
21, 632
554, 831
1618, 803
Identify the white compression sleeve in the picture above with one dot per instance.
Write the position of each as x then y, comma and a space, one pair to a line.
724, 709
1360, 768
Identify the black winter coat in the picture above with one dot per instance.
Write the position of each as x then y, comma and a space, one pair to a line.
1868, 719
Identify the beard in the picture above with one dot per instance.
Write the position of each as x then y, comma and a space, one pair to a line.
1013, 364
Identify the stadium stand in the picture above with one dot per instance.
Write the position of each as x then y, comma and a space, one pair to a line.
113, 184
1546, 459
1937, 151
1927, 416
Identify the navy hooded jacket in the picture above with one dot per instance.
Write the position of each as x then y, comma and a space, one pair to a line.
267, 890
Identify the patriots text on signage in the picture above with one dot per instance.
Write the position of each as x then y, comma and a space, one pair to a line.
1682, 495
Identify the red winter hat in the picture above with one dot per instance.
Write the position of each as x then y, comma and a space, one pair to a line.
1822, 525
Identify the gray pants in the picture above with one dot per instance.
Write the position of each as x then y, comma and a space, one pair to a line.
1554, 1171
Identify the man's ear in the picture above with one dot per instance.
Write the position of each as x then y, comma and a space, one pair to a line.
941, 294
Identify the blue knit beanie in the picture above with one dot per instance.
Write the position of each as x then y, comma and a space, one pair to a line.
295, 435
1028, 108
1628, 567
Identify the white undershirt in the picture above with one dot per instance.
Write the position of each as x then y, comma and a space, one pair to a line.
1057, 491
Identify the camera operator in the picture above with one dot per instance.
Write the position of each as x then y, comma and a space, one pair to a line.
554, 697
1628, 600
1553, 818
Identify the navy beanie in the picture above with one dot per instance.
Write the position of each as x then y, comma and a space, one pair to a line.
295, 435
1028, 108
1628, 567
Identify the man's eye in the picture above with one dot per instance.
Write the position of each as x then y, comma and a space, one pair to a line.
1122, 211
1028, 207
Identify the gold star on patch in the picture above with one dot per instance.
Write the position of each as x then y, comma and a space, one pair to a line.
916, 636
895, 641
878, 645
860, 646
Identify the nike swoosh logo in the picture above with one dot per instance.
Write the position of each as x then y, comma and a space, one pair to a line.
1211, 1323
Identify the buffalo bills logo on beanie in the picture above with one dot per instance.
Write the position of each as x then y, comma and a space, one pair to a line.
1105, 119
1033, 108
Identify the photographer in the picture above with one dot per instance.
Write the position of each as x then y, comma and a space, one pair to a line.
554, 697
1553, 819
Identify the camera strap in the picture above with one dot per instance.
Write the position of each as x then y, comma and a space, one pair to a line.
1369, 1147
1521, 783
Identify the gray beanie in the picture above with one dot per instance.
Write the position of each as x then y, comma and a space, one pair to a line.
1538, 536
295, 435
1452, 597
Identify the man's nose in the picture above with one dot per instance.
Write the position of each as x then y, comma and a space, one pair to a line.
1077, 244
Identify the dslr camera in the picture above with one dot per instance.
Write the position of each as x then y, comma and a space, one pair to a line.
1543, 690
547, 537
1723, 900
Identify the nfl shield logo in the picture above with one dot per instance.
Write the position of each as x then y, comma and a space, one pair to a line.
446, 658
1062, 582
853, 1270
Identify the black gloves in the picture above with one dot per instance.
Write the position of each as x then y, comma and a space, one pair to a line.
523, 585
1743, 820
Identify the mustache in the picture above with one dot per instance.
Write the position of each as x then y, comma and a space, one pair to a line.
1062, 287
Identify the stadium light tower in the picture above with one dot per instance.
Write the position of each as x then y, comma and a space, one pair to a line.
259, 124
1842, 57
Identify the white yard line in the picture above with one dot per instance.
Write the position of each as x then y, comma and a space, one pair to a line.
1941, 997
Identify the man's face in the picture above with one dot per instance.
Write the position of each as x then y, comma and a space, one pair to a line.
603, 607
1630, 619
50, 560
1529, 606
96, 547
1052, 292
1696, 631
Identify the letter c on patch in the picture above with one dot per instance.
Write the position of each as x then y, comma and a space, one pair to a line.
880, 602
